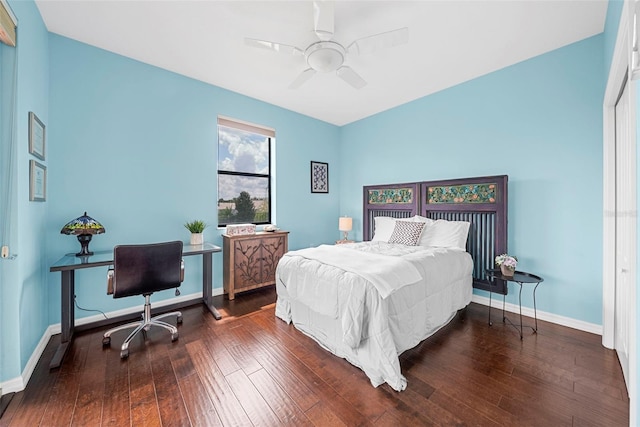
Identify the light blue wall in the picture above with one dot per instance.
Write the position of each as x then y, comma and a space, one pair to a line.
136, 147
24, 280
540, 122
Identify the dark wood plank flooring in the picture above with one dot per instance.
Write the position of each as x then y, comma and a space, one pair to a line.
251, 368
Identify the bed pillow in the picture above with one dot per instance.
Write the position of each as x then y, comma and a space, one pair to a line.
428, 221
407, 233
446, 234
383, 228
418, 218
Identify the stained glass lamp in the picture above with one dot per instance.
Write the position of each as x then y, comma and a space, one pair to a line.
84, 227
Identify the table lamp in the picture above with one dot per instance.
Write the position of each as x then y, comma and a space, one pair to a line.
84, 227
345, 224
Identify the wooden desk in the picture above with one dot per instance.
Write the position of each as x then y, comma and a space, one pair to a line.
69, 263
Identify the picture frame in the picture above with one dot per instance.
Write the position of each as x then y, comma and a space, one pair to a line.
319, 177
37, 181
37, 137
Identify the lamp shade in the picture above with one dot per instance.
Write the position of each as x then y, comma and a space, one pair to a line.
345, 223
84, 227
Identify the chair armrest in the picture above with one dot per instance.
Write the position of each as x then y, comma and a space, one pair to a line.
181, 271
110, 281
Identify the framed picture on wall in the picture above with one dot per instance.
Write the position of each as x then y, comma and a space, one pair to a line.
319, 177
37, 181
36, 136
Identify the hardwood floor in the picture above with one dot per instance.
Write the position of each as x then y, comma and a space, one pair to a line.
251, 368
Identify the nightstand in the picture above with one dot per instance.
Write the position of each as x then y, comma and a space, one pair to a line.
519, 277
343, 242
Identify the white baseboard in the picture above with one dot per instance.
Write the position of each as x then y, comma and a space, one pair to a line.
19, 383
542, 315
13, 386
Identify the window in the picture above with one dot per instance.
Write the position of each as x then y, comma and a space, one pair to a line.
244, 173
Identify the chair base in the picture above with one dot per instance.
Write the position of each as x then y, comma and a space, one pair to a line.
143, 325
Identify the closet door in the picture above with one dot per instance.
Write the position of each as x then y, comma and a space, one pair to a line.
625, 226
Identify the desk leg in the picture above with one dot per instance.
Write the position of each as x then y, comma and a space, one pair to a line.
207, 284
67, 317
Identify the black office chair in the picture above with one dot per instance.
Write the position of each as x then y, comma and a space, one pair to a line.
142, 270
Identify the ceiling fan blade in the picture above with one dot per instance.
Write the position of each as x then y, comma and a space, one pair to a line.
323, 14
278, 47
302, 78
348, 75
379, 41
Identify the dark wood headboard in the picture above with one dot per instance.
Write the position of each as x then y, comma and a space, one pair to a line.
481, 201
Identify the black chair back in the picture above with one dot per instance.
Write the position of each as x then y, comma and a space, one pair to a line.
144, 269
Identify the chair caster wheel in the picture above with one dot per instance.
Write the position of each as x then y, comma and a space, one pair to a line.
106, 341
179, 319
174, 337
124, 354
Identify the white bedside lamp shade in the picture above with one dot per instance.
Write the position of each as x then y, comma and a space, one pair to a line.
345, 224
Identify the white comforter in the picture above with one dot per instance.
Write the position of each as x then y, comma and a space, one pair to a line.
369, 320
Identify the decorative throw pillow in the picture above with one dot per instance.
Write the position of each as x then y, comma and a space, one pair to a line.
407, 233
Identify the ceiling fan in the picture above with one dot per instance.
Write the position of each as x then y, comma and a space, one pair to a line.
327, 55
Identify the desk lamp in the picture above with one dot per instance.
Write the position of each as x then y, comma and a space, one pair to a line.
345, 224
84, 227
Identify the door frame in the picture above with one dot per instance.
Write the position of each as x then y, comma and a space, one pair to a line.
617, 73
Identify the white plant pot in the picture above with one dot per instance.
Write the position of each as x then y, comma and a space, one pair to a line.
197, 238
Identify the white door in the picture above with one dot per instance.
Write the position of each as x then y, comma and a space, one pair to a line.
625, 226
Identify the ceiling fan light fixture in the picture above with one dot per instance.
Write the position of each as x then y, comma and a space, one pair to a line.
325, 56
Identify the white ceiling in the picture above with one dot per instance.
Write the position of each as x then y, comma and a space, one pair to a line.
449, 42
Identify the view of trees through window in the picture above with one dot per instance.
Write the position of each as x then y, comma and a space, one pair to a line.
244, 173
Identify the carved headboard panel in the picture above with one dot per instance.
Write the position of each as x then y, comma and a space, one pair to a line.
394, 200
481, 201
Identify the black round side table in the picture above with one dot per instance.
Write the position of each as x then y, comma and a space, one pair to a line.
519, 277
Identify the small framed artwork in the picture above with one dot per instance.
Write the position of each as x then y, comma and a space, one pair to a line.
37, 181
319, 177
36, 136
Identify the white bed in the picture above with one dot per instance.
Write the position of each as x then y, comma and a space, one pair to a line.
371, 315
364, 317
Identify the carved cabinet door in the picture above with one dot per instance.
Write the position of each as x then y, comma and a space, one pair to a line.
248, 263
273, 248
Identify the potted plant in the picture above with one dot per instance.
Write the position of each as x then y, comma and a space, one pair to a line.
196, 227
507, 264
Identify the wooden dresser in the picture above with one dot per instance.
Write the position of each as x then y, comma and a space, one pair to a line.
250, 260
